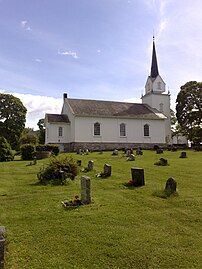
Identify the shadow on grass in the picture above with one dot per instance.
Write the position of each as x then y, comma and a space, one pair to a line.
165, 194
48, 183
130, 187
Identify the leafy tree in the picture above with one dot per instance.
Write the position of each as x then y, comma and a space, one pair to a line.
41, 131
189, 110
6, 153
12, 118
28, 136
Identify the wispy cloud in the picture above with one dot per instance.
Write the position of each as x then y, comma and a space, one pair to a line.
68, 53
25, 25
38, 60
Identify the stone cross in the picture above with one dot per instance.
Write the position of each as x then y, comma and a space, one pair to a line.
137, 176
171, 185
90, 165
85, 190
2, 246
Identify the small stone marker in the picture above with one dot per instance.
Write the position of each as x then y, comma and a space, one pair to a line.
137, 176
128, 153
131, 157
171, 185
90, 165
78, 162
183, 154
139, 151
115, 152
2, 246
161, 162
159, 151
107, 170
85, 190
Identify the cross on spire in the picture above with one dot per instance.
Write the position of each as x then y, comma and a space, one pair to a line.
154, 65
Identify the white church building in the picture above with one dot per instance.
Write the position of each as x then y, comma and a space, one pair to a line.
97, 124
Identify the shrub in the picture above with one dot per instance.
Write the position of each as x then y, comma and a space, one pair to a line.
27, 151
6, 153
58, 171
53, 148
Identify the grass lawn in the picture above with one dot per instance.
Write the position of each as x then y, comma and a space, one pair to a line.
122, 228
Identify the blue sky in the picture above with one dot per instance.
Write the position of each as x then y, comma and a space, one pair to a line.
97, 49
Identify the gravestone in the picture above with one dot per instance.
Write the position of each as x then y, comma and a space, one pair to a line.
80, 151
131, 157
183, 154
78, 162
139, 151
137, 176
85, 190
128, 153
2, 246
171, 185
159, 151
90, 165
115, 152
86, 152
107, 170
161, 162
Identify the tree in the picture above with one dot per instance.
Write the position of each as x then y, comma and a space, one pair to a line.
28, 136
189, 110
6, 153
41, 131
12, 118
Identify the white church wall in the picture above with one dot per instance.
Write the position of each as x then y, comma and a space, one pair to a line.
67, 111
110, 130
53, 136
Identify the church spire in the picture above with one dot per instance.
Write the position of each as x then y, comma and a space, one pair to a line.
154, 65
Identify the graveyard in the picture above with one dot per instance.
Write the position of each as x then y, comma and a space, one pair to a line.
122, 227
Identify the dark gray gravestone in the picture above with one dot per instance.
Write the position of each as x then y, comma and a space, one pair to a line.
171, 185
115, 152
139, 151
2, 246
183, 154
107, 170
137, 176
159, 151
85, 190
90, 165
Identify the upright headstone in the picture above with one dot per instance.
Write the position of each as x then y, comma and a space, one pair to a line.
107, 170
183, 154
85, 190
2, 246
115, 152
90, 165
159, 151
171, 185
137, 176
139, 151
128, 153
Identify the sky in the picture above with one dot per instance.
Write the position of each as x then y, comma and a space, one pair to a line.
95, 49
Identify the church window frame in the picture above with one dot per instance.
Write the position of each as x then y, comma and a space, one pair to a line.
122, 129
146, 130
97, 129
60, 131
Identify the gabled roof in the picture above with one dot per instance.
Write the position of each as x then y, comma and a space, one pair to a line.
98, 108
53, 118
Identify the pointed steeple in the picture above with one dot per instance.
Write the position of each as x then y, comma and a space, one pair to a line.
154, 65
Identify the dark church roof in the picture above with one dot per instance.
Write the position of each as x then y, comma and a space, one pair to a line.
52, 118
98, 108
154, 65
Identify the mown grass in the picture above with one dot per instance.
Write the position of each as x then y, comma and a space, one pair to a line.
121, 228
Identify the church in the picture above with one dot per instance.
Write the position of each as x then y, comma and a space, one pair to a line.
106, 125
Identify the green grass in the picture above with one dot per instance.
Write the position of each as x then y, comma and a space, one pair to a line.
122, 228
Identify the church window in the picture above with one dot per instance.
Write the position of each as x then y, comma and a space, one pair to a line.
97, 128
122, 129
161, 107
146, 130
60, 131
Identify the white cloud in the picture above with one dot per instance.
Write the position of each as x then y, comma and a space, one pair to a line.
37, 106
38, 60
68, 53
25, 25
98, 51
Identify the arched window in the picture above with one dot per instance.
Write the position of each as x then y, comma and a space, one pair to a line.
161, 107
60, 131
146, 130
122, 129
97, 128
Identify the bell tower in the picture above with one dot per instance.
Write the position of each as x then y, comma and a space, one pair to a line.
155, 95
